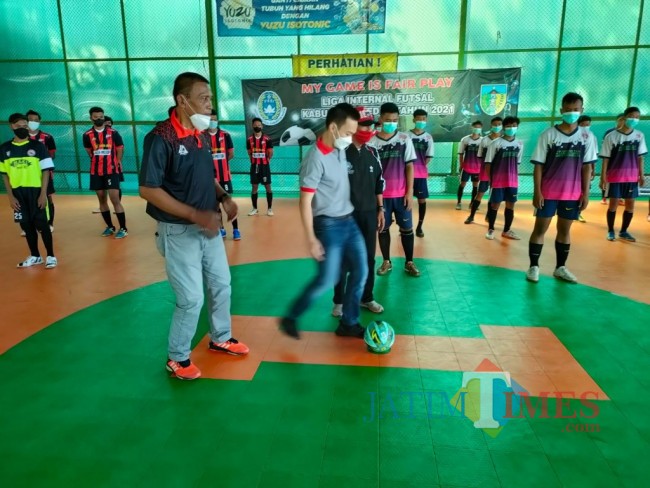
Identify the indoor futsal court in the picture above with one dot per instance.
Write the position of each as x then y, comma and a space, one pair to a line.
492, 380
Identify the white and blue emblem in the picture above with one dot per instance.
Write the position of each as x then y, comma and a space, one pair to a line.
270, 109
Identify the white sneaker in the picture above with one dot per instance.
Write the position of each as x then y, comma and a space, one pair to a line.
337, 311
532, 274
458, 207
563, 273
511, 234
269, 212
373, 306
22, 233
97, 211
253, 212
30, 261
490, 235
51, 228
50, 262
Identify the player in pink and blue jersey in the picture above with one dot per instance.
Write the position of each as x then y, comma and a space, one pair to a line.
502, 165
423, 145
622, 153
562, 159
470, 163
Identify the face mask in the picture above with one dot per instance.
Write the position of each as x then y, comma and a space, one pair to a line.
199, 121
586, 129
21, 132
496, 129
257, 129
99, 122
570, 117
477, 130
33, 125
389, 127
510, 131
363, 137
214, 124
342, 142
421, 124
631, 122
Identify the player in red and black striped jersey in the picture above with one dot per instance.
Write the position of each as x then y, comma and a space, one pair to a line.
35, 134
223, 151
105, 147
260, 151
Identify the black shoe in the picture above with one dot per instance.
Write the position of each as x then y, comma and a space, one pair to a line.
288, 326
350, 330
418, 232
469, 220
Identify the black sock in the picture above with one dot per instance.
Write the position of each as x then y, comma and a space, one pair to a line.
235, 224
185, 363
121, 218
407, 243
603, 193
50, 209
46, 235
561, 253
509, 214
627, 219
31, 236
611, 218
384, 244
422, 210
459, 193
269, 199
475, 204
534, 252
474, 192
254, 199
107, 218
492, 217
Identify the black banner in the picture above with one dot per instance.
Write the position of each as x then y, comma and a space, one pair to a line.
293, 109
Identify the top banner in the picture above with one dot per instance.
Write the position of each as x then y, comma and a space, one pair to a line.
299, 17
343, 64
293, 110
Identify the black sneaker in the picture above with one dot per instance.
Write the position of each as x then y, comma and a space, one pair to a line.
469, 220
418, 232
350, 330
288, 326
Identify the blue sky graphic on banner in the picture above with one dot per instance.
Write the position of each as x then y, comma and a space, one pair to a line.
299, 17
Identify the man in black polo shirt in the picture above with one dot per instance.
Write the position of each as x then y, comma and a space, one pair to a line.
366, 188
177, 179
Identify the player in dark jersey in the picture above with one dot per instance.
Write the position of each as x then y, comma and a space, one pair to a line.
35, 134
470, 163
622, 152
105, 147
423, 145
562, 160
25, 167
502, 166
260, 151
222, 152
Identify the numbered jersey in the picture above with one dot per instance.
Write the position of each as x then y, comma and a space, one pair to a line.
103, 146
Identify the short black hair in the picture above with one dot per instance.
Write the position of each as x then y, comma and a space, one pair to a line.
572, 97
420, 112
94, 110
510, 120
170, 110
256, 119
496, 119
108, 119
341, 112
13, 118
630, 110
213, 112
33, 112
389, 108
583, 118
477, 122
184, 82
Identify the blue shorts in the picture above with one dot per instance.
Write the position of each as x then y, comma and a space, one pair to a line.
483, 186
564, 209
465, 176
403, 217
420, 188
499, 195
622, 190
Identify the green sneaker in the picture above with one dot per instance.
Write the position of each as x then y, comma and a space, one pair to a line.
121, 234
108, 231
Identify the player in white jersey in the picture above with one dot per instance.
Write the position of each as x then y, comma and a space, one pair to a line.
470, 163
423, 145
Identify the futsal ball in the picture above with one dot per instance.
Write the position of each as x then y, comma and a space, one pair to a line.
379, 337
297, 136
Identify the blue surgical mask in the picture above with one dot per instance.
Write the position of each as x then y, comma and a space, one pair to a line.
214, 124
631, 122
510, 131
570, 117
389, 127
476, 130
496, 129
421, 124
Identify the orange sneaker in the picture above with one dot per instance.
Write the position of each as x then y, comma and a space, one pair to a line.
190, 372
231, 346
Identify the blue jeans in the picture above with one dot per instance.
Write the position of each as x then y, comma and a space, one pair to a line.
192, 259
343, 243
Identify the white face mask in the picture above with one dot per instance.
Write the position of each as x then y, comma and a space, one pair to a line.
342, 142
199, 121
33, 125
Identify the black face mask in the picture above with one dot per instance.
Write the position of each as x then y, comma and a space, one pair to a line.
257, 129
98, 122
22, 132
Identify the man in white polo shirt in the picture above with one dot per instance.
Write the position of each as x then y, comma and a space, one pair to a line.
332, 233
